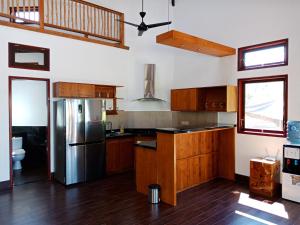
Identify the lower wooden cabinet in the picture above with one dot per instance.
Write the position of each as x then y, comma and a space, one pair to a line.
119, 155
196, 170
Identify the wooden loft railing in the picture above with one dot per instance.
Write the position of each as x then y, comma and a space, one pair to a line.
75, 19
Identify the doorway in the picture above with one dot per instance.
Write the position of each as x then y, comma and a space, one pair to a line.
29, 130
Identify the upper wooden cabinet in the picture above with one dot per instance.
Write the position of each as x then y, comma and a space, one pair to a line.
215, 99
184, 99
105, 91
79, 90
73, 90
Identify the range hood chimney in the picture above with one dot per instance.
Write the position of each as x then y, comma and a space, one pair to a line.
149, 89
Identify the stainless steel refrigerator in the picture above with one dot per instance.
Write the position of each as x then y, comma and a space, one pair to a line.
79, 140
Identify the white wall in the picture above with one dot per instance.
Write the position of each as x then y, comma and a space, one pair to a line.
77, 61
237, 24
29, 103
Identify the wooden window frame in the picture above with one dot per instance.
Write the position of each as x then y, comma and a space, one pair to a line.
268, 45
13, 48
21, 9
241, 106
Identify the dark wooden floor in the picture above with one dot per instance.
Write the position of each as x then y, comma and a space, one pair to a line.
115, 201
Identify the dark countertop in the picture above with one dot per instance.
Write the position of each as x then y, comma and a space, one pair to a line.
187, 129
118, 135
131, 132
172, 130
146, 144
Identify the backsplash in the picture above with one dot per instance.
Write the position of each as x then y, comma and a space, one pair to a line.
160, 119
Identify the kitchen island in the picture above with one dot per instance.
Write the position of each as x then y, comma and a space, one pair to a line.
184, 158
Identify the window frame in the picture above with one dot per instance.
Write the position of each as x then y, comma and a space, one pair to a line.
268, 45
14, 47
241, 106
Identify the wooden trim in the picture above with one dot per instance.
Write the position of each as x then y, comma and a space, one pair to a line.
61, 34
5, 185
242, 51
166, 167
241, 109
122, 29
41, 13
10, 79
97, 6
79, 31
14, 47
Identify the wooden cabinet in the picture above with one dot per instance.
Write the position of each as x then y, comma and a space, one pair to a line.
73, 90
221, 99
196, 170
184, 99
102, 91
197, 158
126, 154
79, 90
119, 155
216, 99
146, 168
264, 177
112, 156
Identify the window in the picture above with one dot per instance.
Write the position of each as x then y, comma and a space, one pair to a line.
28, 57
27, 13
263, 105
265, 55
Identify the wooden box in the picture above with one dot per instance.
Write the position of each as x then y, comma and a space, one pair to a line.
264, 177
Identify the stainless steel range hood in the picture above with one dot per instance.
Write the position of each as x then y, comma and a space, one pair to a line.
149, 89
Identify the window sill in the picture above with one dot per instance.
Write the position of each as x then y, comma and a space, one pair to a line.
262, 134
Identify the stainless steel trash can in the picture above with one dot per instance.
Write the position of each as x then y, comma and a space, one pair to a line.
153, 195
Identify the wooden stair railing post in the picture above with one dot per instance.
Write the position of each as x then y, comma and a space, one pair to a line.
122, 33
41, 14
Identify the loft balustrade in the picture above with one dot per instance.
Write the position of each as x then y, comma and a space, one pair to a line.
71, 17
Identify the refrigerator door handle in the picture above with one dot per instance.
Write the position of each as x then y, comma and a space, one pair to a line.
76, 144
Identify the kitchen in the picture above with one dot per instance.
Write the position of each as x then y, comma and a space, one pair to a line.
82, 62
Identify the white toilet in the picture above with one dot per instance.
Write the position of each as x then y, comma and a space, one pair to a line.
18, 153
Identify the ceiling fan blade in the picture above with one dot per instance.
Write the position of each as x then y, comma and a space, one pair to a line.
141, 32
132, 24
158, 24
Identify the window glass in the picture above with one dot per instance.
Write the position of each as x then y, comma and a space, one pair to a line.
266, 56
263, 105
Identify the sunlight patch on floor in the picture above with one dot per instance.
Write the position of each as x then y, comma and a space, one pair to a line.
275, 208
254, 218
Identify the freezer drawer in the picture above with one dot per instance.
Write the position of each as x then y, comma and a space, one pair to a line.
95, 161
75, 164
291, 187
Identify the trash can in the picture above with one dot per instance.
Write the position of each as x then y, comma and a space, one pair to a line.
153, 195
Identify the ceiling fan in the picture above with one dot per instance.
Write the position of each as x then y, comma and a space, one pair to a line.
143, 26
